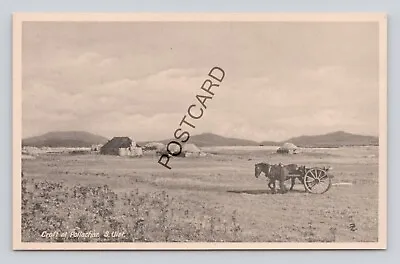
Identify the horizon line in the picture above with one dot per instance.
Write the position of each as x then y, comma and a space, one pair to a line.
274, 141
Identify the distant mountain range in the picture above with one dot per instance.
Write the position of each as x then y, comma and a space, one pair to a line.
85, 139
209, 139
335, 139
65, 139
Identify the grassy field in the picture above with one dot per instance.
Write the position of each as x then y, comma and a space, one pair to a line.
213, 198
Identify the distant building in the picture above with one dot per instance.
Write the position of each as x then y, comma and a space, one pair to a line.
96, 147
287, 148
190, 149
121, 146
155, 148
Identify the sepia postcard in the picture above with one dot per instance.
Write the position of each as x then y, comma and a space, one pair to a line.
199, 131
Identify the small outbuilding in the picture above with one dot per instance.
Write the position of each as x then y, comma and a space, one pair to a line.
96, 147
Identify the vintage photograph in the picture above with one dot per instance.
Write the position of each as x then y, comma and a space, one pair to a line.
199, 131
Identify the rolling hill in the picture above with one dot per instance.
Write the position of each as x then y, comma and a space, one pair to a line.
65, 139
271, 143
334, 139
209, 139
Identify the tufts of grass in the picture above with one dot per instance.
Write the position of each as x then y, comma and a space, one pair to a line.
55, 208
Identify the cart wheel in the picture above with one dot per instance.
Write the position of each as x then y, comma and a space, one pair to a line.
316, 180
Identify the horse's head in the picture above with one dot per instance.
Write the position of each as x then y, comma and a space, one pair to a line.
257, 169
260, 167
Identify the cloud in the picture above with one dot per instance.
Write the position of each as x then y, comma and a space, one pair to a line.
257, 108
295, 79
108, 107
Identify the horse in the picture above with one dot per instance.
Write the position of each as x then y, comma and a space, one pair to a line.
273, 172
266, 169
279, 172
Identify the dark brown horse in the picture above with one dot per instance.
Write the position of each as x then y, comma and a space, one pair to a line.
279, 172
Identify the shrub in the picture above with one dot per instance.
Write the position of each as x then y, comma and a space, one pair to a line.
100, 214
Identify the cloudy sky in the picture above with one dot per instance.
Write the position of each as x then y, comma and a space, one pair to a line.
138, 79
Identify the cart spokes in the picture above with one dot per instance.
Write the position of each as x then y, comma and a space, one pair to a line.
317, 180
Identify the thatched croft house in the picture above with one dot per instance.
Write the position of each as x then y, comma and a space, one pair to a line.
156, 147
287, 148
191, 150
121, 146
188, 150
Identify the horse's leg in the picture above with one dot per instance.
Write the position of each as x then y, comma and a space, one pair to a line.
293, 183
270, 184
282, 179
282, 187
